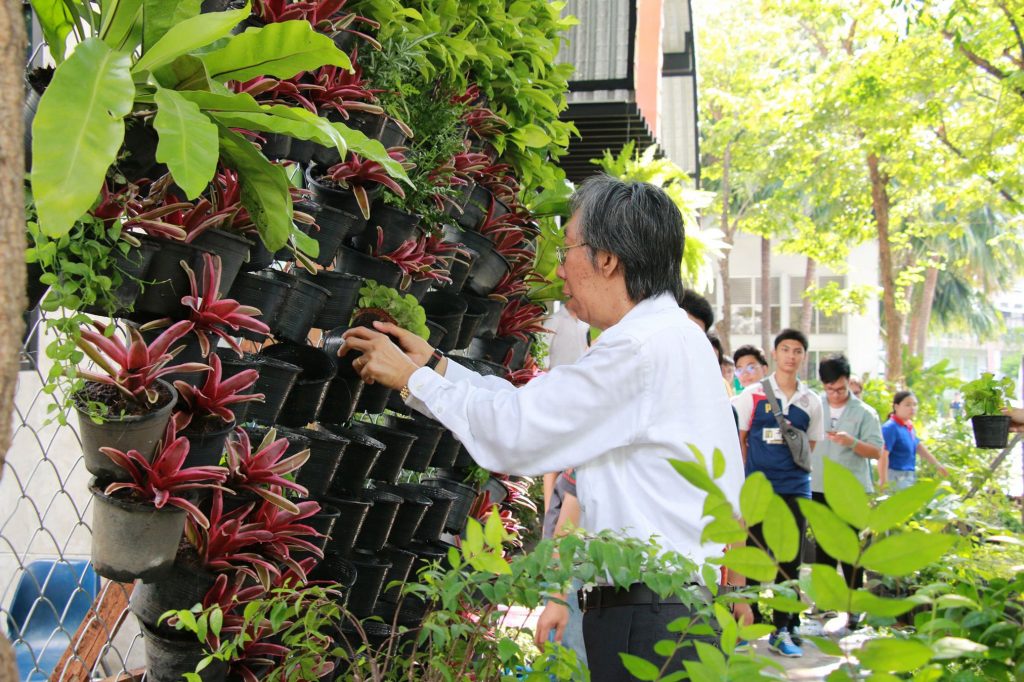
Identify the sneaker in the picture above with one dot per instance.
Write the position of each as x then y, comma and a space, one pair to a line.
742, 646
782, 644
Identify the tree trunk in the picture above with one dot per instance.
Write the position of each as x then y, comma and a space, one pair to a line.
725, 323
931, 280
766, 292
12, 235
892, 318
806, 308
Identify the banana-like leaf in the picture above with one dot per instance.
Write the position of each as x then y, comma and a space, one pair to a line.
280, 50
77, 131
264, 188
184, 73
286, 121
188, 142
189, 35
57, 21
159, 16
373, 150
121, 20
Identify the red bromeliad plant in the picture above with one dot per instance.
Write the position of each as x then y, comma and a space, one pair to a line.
327, 16
215, 396
418, 259
520, 318
290, 92
484, 123
360, 175
521, 377
287, 533
163, 481
343, 91
134, 368
230, 542
212, 314
263, 472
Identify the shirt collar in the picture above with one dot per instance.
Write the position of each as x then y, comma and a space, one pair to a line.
801, 387
653, 304
909, 426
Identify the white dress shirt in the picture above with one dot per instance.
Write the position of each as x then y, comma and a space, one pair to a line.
648, 388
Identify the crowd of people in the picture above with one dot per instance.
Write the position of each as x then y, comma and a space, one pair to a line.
604, 421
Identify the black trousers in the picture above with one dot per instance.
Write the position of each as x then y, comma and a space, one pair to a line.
607, 632
789, 569
853, 576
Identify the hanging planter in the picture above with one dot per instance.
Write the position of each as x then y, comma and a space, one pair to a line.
367, 267
351, 516
335, 568
458, 272
470, 325
991, 431
296, 441
498, 350
428, 434
325, 453
360, 455
464, 494
275, 382
446, 310
413, 508
437, 334
401, 561
169, 280
370, 573
184, 586
322, 522
396, 448
206, 439
329, 194
301, 306
233, 250
344, 290
379, 519
264, 291
447, 450
332, 227
373, 398
491, 314
435, 517
489, 266
168, 660
396, 224
391, 134
317, 369
427, 553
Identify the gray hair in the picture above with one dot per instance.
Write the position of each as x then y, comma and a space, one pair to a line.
639, 223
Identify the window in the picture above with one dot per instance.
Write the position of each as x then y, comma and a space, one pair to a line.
746, 305
820, 323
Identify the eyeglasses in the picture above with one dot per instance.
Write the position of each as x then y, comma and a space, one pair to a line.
837, 390
562, 251
749, 369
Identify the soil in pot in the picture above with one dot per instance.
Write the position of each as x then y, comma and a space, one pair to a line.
410, 513
183, 587
991, 431
446, 310
435, 517
489, 266
465, 495
428, 434
302, 305
318, 369
265, 292
334, 226
379, 519
126, 426
277, 378
351, 516
132, 539
370, 573
360, 456
447, 451
233, 250
397, 225
325, 453
206, 439
169, 280
167, 659
335, 568
344, 289
396, 448
361, 265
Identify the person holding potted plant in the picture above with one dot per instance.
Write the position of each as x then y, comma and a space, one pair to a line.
898, 464
985, 401
646, 392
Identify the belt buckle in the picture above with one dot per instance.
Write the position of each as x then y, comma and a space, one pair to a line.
588, 598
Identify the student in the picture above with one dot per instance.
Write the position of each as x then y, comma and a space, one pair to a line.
898, 464
751, 365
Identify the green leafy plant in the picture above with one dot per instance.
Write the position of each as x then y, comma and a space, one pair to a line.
987, 395
378, 302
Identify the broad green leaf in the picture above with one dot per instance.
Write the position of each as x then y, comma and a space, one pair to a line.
294, 122
494, 532
160, 15
189, 35
826, 646
696, 475
507, 648
845, 495
184, 73
866, 602
752, 562
755, 496
531, 135
264, 189
780, 530
492, 563
724, 530
954, 647
787, 604
893, 655
827, 588
757, 631
717, 464
215, 102
188, 142
639, 668
905, 553
830, 531
473, 543
78, 128
57, 22
901, 506
120, 21
280, 50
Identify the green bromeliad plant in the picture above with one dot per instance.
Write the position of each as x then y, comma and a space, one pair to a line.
381, 303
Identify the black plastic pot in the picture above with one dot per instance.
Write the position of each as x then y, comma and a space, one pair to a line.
336, 568
491, 309
396, 448
437, 333
276, 381
329, 195
497, 349
264, 291
296, 441
183, 587
465, 495
318, 369
301, 151
322, 522
447, 451
276, 146
458, 271
489, 266
462, 462
344, 289
418, 288
991, 431
426, 554
370, 573
391, 134
373, 398
468, 329
233, 251
301, 306
206, 438
131, 539
446, 310
169, 280
168, 659
435, 517
428, 434
342, 395
474, 211
334, 226
260, 257
496, 489
379, 520
360, 456
482, 367
129, 432
325, 452
398, 226
380, 271
410, 513
351, 516
134, 268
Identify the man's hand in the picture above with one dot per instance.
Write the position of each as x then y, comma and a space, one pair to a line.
1016, 416
841, 437
381, 360
554, 617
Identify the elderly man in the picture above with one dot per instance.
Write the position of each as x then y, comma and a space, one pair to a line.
642, 393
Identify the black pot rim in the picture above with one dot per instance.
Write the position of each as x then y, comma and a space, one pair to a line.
333, 501
354, 436
451, 481
130, 418
298, 280
329, 365
381, 427
325, 436
379, 495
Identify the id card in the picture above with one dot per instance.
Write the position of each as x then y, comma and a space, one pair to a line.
772, 436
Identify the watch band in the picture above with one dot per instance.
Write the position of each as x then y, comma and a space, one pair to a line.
435, 357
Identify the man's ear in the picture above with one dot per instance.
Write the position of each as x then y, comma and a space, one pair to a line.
607, 263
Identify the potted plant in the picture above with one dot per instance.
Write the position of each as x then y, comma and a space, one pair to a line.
383, 304
138, 522
263, 473
212, 314
354, 183
128, 405
984, 400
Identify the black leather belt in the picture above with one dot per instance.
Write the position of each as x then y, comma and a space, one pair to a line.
607, 596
